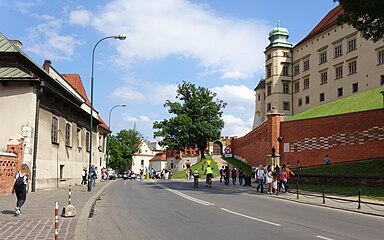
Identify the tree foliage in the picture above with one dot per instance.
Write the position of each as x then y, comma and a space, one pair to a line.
367, 16
122, 148
197, 119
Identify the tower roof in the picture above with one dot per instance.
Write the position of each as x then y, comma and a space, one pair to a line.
278, 37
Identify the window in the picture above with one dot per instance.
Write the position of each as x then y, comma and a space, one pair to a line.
351, 44
306, 83
338, 51
87, 142
286, 54
380, 56
55, 130
296, 69
382, 80
352, 67
323, 57
269, 56
306, 99
269, 107
285, 70
269, 89
322, 97
300, 102
285, 86
258, 97
339, 72
355, 87
306, 64
101, 145
61, 171
67, 134
340, 92
142, 162
297, 86
286, 106
323, 77
269, 72
79, 145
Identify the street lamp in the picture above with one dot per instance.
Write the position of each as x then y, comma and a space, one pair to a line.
119, 37
109, 127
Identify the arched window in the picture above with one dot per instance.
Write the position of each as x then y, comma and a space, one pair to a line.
55, 130
68, 134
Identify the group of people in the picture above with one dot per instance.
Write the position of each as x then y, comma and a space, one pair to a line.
226, 173
274, 180
94, 173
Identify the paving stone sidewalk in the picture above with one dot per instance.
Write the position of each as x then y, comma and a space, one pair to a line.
38, 213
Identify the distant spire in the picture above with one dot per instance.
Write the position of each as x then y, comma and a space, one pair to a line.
278, 23
134, 126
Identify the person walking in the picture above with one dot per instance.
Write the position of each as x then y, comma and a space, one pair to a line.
327, 160
241, 176
93, 175
260, 179
234, 175
84, 177
226, 175
221, 173
21, 187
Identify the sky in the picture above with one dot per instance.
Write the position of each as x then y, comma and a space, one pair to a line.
216, 44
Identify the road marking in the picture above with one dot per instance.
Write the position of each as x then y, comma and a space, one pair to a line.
325, 238
189, 197
253, 218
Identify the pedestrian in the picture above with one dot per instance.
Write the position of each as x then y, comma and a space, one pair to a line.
241, 176
234, 175
327, 160
260, 179
298, 165
21, 187
93, 173
282, 179
254, 171
289, 174
221, 173
226, 175
187, 173
269, 179
84, 177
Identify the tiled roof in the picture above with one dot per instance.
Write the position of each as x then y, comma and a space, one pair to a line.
328, 21
77, 84
103, 124
159, 157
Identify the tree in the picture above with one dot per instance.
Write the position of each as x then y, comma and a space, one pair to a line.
122, 147
197, 119
367, 16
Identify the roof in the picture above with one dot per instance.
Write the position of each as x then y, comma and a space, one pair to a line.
14, 72
261, 84
77, 84
159, 157
6, 45
103, 124
328, 21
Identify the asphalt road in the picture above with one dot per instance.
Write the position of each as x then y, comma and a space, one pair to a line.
175, 210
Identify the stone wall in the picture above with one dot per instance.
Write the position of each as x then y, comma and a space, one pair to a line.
10, 162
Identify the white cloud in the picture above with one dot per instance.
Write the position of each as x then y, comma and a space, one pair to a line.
235, 126
238, 98
130, 118
80, 17
127, 93
158, 29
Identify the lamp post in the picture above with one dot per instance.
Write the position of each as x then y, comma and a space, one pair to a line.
119, 37
109, 127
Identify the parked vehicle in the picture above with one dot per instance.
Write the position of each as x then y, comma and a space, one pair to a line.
125, 175
112, 175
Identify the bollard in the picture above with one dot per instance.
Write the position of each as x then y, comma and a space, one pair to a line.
56, 220
69, 195
359, 205
297, 190
322, 191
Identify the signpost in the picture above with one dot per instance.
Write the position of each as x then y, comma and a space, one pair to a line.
227, 152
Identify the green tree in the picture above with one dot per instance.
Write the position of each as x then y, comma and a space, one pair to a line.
122, 147
367, 16
197, 119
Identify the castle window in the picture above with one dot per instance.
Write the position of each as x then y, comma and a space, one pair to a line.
269, 89
355, 87
79, 145
380, 57
382, 80
306, 64
306, 99
352, 67
285, 86
285, 70
351, 44
269, 72
323, 77
286, 106
68, 134
322, 97
55, 130
297, 86
300, 102
340, 92
296, 69
269, 107
339, 72
323, 57
306, 83
338, 51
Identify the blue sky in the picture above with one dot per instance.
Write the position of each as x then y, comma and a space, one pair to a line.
217, 44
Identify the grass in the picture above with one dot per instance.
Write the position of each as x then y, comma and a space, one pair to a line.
364, 101
198, 167
366, 168
240, 164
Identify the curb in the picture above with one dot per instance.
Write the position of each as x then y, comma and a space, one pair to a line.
81, 230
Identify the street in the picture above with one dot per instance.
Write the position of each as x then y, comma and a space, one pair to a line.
175, 210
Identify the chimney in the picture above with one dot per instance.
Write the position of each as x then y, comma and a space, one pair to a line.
47, 65
17, 43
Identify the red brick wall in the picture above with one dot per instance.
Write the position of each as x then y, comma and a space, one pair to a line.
257, 144
344, 138
9, 166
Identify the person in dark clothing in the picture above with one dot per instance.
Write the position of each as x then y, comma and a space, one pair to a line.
20, 187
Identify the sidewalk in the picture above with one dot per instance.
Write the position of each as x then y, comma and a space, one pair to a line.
38, 213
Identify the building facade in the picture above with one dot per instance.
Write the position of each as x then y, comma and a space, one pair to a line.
51, 111
333, 61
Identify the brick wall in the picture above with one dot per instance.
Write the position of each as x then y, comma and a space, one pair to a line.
9, 163
344, 138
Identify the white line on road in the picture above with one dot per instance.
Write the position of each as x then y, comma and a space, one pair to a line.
325, 238
253, 218
190, 198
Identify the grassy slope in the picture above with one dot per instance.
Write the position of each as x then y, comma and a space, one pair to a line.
197, 166
368, 100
